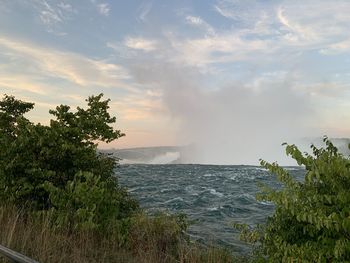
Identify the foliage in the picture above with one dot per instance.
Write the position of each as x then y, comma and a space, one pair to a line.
164, 231
151, 239
311, 222
88, 203
57, 167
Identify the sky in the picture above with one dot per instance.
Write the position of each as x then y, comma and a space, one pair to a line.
235, 78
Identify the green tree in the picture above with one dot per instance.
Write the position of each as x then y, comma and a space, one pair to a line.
311, 222
57, 167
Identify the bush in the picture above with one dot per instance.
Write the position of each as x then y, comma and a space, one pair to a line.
57, 167
162, 231
87, 202
311, 222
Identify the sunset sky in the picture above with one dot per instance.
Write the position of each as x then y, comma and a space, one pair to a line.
178, 71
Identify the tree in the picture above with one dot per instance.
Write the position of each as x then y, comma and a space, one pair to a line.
57, 167
311, 222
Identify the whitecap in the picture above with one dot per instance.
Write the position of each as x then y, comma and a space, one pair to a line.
261, 169
174, 199
208, 175
189, 189
214, 192
130, 190
265, 203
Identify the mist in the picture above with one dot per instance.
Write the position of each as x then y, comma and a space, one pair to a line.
239, 87
238, 123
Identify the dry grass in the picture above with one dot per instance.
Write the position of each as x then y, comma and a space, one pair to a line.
150, 240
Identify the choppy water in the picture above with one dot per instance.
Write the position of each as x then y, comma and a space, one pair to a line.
214, 196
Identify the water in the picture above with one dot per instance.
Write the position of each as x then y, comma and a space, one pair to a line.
213, 196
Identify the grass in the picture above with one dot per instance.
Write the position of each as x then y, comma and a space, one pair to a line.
149, 240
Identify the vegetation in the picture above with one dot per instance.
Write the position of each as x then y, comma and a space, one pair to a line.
311, 222
56, 168
60, 200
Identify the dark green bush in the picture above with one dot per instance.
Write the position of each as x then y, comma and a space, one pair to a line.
311, 222
57, 168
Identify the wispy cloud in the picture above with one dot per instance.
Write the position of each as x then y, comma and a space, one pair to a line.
104, 9
67, 7
53, 14
315, 24
22, 83
144, 9
140, 43
48, 15
139, 107
245, 12
264, 33
73, 67
199, 22
337, 48
223, 48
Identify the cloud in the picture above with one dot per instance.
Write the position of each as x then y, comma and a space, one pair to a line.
195, 20
104, 9
67, 7
221, 48
72, 67
121, 49
337, 48
22, 83
53, 14
49, 76
314, 24
49, 16
135, 108
144, 10
245, 12
297, 33
199, 22
139, 43
263, 32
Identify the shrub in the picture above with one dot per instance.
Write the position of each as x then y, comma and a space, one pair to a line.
311, 222
57, 167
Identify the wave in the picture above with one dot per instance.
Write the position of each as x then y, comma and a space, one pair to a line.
214, 192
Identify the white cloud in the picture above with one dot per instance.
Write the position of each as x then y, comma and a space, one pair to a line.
195, 20
104, 9
21, 83
222, 48
199, 22
67, 7
49, 16
243, 11
52, 14
264, 33
297, 33
314, 24
73, 67
140, 43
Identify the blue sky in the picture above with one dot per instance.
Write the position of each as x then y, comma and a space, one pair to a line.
180, 72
